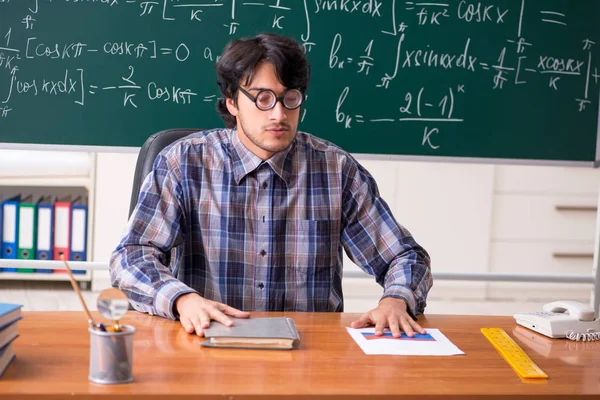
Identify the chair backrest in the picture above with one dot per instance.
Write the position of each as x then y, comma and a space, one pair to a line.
152, 146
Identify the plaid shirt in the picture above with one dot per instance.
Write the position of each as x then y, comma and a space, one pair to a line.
262, 235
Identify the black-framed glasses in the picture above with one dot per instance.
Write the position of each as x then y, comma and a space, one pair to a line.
266, 99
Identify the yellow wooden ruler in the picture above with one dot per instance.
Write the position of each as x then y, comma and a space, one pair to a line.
513, 354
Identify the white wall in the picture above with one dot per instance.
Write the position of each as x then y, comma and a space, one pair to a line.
114, 179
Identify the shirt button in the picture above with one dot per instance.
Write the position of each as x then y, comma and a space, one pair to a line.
265, 185
263, 253
261, 285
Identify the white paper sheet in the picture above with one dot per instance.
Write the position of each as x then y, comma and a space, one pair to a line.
434, 343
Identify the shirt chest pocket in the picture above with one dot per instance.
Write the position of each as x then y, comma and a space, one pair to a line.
312, 244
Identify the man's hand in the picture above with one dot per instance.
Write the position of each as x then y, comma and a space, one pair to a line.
196, 312
390, 312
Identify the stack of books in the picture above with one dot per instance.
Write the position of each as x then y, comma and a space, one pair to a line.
10, 314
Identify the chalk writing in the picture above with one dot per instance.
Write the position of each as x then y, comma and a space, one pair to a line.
412, 66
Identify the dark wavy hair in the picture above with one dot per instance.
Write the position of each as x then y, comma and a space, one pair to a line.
241, 57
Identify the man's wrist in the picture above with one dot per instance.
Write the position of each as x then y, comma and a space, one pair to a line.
177, 301
403, 292
404, 300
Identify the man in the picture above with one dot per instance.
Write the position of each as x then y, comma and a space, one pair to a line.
260, 212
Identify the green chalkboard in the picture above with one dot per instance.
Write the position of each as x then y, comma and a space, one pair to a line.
491, 79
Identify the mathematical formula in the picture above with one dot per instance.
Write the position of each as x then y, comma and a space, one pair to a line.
379, 59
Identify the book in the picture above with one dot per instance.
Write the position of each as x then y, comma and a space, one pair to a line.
8, 334
6, 356
9, 313
278, 333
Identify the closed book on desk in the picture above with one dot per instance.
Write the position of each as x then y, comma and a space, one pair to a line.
6, 356
8, 333
9, 313
278, 333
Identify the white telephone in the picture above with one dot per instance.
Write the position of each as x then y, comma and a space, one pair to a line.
560, 319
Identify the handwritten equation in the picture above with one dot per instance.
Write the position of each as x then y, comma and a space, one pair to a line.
423, 63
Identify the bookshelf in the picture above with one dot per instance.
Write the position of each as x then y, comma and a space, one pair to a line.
56, 173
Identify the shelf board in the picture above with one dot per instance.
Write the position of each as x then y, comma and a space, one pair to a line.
88, 266
52, 264
38, 276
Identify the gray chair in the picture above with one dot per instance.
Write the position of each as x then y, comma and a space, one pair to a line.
152, 146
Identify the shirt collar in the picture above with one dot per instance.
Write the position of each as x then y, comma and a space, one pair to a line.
247, 161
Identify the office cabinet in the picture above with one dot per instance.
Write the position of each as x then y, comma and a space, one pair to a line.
544, 222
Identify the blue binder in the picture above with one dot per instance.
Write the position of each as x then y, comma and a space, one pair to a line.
45, 231
10, 228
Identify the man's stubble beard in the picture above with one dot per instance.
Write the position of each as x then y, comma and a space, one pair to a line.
258, 138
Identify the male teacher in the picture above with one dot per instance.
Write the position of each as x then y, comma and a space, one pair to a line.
260, 212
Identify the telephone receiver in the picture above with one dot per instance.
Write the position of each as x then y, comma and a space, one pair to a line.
561, 319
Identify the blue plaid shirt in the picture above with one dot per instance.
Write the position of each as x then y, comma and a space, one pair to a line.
262, 235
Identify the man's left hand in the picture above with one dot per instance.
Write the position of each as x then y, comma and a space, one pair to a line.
390, 313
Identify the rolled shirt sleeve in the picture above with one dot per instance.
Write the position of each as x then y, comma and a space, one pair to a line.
141, 264
379, 245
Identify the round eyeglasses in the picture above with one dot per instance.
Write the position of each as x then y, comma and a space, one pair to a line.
266, 99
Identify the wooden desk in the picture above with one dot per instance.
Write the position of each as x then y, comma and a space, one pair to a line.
53, 355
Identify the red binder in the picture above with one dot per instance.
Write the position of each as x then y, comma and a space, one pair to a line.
62, 229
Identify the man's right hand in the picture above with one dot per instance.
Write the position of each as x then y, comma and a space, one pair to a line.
196, 312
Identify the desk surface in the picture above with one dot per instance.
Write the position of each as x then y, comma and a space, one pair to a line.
53, 356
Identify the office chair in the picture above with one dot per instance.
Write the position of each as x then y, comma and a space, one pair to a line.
150, 149
152, 146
